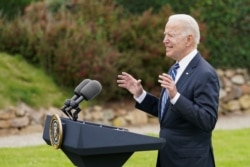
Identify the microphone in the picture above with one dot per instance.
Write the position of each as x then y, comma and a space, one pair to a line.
77, 93
91, 90
79, 87
88, 92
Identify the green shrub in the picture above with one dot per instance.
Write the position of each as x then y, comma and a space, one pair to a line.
12, 8
140, 6
98, 43
225, 42
228, 31
98, 39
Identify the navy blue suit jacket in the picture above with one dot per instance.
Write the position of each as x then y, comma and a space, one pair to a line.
187, 125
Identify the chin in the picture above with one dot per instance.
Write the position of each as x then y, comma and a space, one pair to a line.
168, 55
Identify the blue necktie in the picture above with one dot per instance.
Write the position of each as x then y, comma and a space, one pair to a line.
165, 93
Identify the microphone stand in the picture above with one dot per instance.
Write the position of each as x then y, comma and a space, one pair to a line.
73, 105
75, 114
64, 109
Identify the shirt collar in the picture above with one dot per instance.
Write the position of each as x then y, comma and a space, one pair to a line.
186, 60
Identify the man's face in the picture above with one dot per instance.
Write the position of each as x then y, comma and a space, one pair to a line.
175, 40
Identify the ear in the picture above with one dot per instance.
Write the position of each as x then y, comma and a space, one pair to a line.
190, 40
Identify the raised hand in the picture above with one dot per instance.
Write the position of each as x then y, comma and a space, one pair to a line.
167, 82
128, 82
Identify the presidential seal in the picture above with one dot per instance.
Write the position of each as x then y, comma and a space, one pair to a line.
55, 131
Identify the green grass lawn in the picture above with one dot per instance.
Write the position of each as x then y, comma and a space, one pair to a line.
22, 82
231, 149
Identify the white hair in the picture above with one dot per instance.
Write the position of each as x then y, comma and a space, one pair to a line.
190, 25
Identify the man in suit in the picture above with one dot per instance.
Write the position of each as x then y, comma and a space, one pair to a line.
187, 107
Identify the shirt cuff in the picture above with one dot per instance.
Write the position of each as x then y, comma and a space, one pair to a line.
140, 98
176, 97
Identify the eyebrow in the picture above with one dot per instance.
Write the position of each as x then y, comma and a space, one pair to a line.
171, 33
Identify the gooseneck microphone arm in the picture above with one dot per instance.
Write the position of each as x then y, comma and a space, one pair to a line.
66, 104
86, 90
77, 93
92, 89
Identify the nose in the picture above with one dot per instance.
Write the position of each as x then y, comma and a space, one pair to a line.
165, 40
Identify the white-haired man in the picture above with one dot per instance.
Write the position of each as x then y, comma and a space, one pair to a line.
187, 107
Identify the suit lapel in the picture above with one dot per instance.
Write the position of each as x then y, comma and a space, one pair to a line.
188, 71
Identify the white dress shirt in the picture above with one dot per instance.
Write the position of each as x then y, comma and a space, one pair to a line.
183, 64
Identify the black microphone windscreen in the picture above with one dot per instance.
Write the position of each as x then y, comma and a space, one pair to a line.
81, 85
92, 89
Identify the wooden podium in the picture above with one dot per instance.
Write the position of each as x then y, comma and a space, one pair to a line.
88, 144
